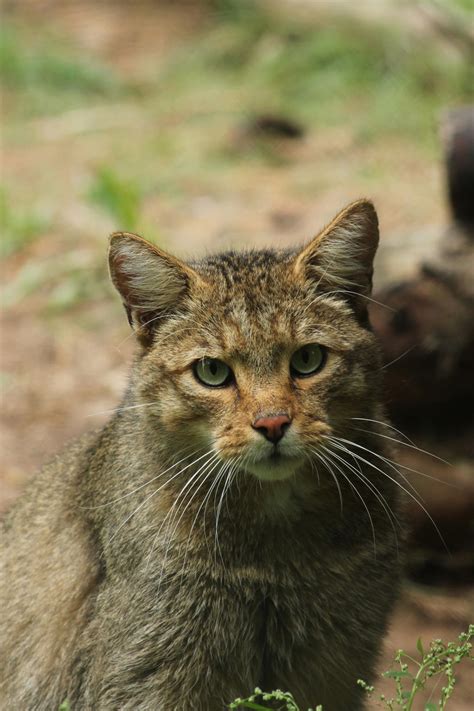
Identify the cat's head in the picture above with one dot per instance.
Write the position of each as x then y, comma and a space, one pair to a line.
255, 355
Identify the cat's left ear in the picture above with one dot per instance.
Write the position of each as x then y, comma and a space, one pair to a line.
340, 258
151, 282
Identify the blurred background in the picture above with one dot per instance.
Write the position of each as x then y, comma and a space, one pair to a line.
217, 123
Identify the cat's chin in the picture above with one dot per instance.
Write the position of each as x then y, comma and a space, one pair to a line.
274, 469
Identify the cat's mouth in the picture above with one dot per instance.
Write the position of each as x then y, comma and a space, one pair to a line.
275, 466
275, 455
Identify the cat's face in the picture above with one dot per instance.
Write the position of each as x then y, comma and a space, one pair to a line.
257, 356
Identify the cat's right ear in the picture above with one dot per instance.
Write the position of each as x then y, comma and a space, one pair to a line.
340, 258
151, 282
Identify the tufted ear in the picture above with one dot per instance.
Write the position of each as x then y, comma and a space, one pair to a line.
341, 256
151, 282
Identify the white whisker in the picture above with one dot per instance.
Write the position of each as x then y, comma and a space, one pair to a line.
318, 454
203, 478
407, 492
172, 514
145, 501
353, 293
398, 465
395, 360
389, 462
206, 499
352, 485
150, 481
410, 446
371, 486
122, 409
225, 488
197, 476
385, 424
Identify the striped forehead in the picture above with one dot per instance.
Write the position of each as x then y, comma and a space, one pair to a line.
240, 269
252, 287
254, 298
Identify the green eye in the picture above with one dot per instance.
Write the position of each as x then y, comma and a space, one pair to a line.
307, 360
213, 372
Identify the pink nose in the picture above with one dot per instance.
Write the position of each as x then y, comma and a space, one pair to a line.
272, 427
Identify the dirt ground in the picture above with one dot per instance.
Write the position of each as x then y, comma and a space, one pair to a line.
62, 370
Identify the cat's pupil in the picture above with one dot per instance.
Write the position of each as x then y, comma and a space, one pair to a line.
305, 356
213, 367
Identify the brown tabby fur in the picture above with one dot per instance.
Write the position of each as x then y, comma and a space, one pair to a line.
132, 585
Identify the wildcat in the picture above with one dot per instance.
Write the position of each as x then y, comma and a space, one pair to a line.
235, 522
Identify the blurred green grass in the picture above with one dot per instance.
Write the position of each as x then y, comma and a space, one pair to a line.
42, 76
118, 196
18, 228
256, 60
377, 83
385, 81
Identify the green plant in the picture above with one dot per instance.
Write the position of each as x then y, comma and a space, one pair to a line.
257, 699
411, 677
119, 197
42, 76
316, 73
24, 65
18, 227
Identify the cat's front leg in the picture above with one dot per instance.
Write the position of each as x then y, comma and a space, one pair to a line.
197, 647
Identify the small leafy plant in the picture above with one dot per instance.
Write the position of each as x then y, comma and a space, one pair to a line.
413, 675
120, 197
259, 697
410, 676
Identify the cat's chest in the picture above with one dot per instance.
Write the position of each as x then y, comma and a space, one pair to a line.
287, 579
276, 580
